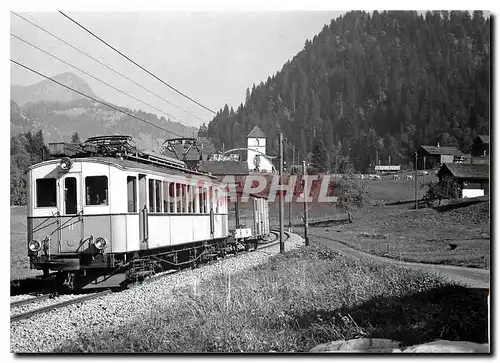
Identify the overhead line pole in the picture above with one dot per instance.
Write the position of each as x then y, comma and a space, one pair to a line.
281, 207
416, 177
306, 217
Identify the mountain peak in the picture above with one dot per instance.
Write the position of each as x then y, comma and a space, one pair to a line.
49, 91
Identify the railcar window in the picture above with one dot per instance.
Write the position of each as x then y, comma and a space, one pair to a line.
203, 200
46, 192
190, 199
132, 193
181, 198
166, 204
96, 190
158, 195
70, 196
216, 200
151, 188
172, 197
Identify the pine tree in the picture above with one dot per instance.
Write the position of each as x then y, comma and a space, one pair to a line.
319, 158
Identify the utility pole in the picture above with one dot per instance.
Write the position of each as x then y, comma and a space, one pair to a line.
416, 177
306, 219
282, 211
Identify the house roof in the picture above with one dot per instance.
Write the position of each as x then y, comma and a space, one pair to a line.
225, 167
467, 171
257, 133
442, 150
484, 138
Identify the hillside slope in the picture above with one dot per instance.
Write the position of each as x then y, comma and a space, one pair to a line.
49, 91
374, 84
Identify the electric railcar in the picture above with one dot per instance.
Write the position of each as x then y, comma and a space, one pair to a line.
103, 212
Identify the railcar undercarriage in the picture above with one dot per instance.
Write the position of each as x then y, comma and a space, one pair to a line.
78, 271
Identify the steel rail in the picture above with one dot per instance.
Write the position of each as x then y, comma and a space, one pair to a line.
31, 313
30, 300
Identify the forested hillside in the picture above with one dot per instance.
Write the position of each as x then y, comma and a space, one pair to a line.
368, 82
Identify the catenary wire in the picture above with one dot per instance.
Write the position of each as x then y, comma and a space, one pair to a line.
105, 65
93, 98
92, 76
138, 65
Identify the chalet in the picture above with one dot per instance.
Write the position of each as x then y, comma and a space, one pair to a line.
473, 179
435, 156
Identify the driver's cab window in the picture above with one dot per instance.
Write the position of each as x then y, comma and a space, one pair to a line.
96, 190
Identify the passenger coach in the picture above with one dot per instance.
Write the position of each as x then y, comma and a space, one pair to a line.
91, 214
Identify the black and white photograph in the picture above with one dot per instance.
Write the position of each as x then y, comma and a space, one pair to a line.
274, 181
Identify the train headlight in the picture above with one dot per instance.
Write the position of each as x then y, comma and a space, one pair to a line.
66, 164
35, 245
100, 243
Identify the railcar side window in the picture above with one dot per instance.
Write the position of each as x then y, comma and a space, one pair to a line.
154, 196
166, 205
158, 195
172, 197
96, 190
181, 198
46, 192
190, 199
132, 193
203, 200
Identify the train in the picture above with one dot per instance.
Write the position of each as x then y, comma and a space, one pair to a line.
105, 213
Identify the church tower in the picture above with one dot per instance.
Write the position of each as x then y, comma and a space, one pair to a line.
256, 143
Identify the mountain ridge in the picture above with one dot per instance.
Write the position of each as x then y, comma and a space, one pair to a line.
60, 113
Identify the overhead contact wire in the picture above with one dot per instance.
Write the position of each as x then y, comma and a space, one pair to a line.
90, 75
93, 98
137, 64
105, 65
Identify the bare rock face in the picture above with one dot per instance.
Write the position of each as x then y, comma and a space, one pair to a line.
367, 345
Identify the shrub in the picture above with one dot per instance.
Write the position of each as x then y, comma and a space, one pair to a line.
446, 188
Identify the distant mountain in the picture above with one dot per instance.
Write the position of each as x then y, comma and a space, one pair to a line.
49, 91
60, 113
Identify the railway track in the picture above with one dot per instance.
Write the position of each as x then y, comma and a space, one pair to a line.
36, 311
58, 305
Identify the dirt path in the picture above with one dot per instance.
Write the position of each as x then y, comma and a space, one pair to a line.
474, 277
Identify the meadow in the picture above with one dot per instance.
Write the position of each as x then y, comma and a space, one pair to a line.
296, 301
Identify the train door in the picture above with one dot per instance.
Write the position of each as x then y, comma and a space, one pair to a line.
71, 230
143, 212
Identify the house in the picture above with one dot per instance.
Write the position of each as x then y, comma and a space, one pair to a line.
434, 156
473, 179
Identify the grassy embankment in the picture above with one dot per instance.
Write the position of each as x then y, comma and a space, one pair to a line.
296, 301
457, 236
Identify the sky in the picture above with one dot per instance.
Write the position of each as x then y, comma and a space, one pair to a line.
211, 57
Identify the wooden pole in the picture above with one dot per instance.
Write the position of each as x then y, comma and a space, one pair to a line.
282, 211
306, 219
416, 177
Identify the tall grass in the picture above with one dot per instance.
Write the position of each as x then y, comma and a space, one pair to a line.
295, 301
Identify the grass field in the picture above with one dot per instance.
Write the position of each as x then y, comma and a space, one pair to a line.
19, 262
295, 301
458, 236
